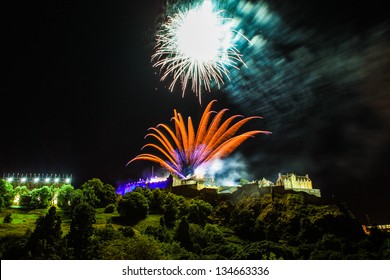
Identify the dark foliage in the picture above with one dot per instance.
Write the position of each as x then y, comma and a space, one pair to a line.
46, 240
133, 207
267, 227
7, 218
105, 193
81, 230
160, 233
110, 208
182, 234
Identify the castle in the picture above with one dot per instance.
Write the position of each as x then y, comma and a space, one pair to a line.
286, 182
290, 181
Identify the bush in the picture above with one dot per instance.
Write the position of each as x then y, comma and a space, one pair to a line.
127, 231
133, 207
7, 218
110, 208
160, 233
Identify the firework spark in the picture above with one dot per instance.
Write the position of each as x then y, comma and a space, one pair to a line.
197, 46
181, 151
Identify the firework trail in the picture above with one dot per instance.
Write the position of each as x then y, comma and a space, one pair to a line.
197, 46
183, 151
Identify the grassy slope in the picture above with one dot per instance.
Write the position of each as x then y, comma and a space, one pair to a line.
25, 219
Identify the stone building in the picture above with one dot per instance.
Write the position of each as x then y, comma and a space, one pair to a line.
290, 181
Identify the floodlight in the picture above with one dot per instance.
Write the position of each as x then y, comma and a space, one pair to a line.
36, 180
10, 179
56, 180
47, 180
23, 180
67, 180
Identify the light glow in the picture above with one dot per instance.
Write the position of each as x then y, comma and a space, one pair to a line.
197, 45
16, 199
10, 180
23, 180
36, 180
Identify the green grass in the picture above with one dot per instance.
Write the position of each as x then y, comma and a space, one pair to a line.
25, 219
151, 220
22, 220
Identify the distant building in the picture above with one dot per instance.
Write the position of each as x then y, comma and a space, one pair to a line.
384, 228
290, 181
37, 180
193, 187
265, 183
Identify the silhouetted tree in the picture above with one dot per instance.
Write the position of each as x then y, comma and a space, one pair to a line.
182, 233
170, 212
157, 201
7, 218
198, 211
7, 192
160, 233
46, 240
133, 207
81, 229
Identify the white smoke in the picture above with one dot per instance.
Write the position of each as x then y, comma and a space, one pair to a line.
226, 172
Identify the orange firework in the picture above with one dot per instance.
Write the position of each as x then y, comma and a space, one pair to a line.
181, 150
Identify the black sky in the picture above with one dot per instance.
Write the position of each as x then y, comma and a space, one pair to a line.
78, 92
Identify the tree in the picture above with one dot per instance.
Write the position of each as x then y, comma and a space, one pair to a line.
65, 196
182, 233
199, 210
7, 218
6, 192
46, 240
89, 196
22, 196
41, 198
81, 229
160, 233
139, 247
105, 193
107, 196
133, 207
170, 213
157, 201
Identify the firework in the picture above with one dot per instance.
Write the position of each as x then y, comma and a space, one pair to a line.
197, 46
181, 151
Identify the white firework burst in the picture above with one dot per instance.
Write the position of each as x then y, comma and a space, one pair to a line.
197, 46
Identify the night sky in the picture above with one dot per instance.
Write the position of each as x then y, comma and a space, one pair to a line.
78, 91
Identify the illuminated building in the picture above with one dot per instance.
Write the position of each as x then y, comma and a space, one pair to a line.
290, 181
37, 180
